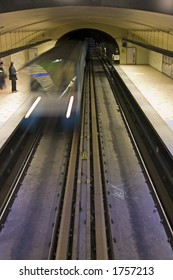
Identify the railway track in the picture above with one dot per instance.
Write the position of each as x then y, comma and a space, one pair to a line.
100, 206
86, 230
82, 231
155, 159
15, 159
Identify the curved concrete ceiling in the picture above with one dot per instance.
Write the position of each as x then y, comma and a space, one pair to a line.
58, 17
160, 6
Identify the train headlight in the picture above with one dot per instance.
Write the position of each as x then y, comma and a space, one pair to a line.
69, 109
32, 107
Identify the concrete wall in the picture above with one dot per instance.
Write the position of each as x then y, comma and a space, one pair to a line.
12, 40
159, 39
142, 54
20, 58
162, 63
155, 60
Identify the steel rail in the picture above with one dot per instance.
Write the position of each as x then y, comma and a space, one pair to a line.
62, 250
58, 209
109, 232
81, 248
88, 180
100, 226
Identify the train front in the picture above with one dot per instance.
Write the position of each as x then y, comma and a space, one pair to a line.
55, 79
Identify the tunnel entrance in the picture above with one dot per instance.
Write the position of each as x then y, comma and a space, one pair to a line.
102, 40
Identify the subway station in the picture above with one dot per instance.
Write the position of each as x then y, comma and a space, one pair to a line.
94, 182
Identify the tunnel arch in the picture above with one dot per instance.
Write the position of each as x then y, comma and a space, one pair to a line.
101, 38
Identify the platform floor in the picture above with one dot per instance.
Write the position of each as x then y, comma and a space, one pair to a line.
155, 87
13, 106
10, 102
152, 90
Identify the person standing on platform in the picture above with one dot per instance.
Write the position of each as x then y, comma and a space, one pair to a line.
13, 76
2, 76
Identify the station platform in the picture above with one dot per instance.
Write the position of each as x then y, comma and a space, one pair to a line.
153, 92
152, 89
13, 106
155, 86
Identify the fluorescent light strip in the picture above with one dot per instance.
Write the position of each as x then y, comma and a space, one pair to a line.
33, 107
70, 104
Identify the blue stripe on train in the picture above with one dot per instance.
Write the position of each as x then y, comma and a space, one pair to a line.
40, 75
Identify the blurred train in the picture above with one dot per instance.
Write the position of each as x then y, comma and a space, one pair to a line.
56, 80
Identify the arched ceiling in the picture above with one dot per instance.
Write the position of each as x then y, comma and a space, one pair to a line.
50, 18
158, 6
57, 17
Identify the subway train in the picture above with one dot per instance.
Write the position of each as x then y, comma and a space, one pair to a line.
56, 80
